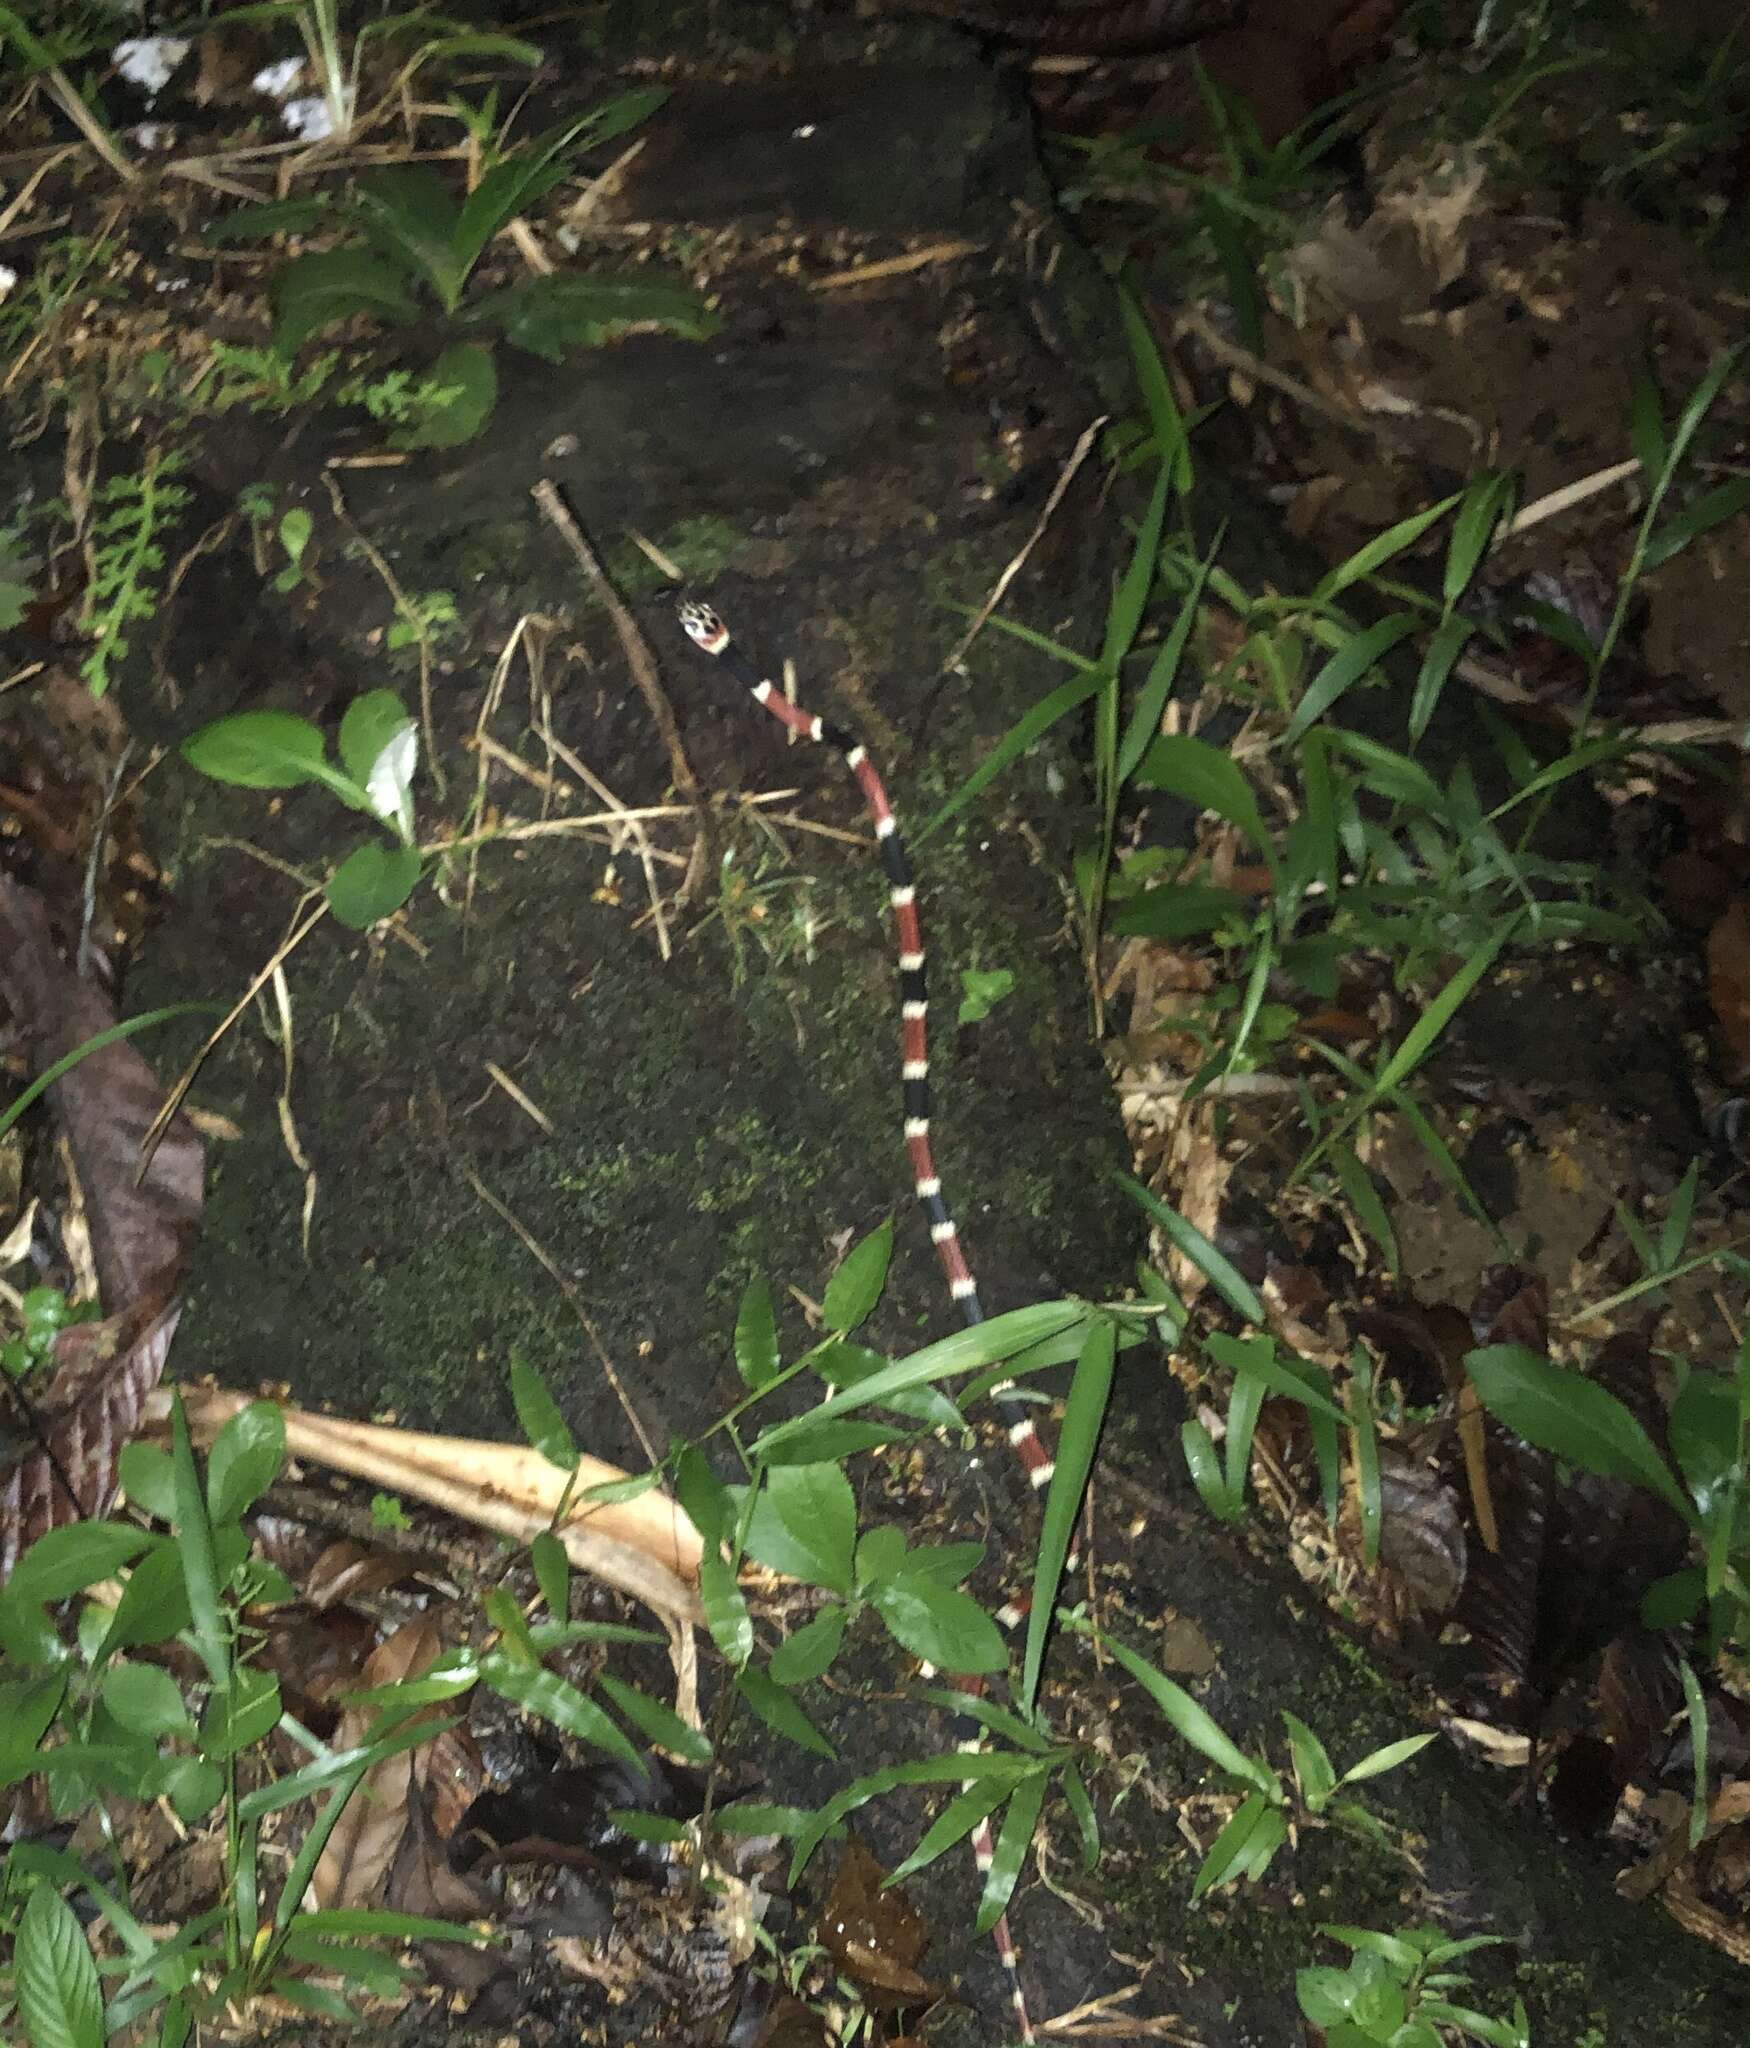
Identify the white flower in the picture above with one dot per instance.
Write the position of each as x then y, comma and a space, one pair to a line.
390, 784
148, 61
311, 120
278, 79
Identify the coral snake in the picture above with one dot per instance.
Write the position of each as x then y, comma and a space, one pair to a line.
703, 626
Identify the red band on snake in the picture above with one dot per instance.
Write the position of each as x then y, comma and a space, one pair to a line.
707, 630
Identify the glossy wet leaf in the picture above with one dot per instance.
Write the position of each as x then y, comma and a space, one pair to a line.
756, 1336
372, 883
1562, 1412
538, 1416
855, 1288
809, 1650
60, 1997
245, 1460
805, 1525
939, 1623
773, 1704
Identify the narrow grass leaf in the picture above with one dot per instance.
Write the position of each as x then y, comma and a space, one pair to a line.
1190, 1243
1345, 668
1030, 726
200, 1575
1646, 423
953, 1824
1228, 1851
1419, 1040
1364, 1198
1366, 1443
1713, 508
1083, 1417
538, 1415
1075, 1795
974, 1767
1381, 548
1205, 1468
1484, 504
1157, 392
1163, 673
655, 1722
1014, 1839
1130, 600
1378, 1761
1449, 641
1191, 1721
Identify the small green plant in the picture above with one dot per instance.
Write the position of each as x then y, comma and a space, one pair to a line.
416, 237
1396, 1993
124, 547
337, 71
15, 586
1248, 1844
981, 989
379, 751
43, 1313
93, 1721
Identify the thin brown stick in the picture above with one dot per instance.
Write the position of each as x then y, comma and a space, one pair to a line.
562, 1280
1000, 589
638, 657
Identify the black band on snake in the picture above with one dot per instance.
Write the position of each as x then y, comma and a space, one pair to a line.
707, 630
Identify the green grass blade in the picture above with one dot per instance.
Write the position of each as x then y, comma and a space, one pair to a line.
1083, 1415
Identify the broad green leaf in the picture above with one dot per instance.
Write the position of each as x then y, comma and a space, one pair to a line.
882, 1551
66, 1561
238, 1714
60, 1999
856, 1287
320, 289
1574, 1417
372, 883
805, 1525
1177, 910
258, 750
1647, 424
146, 1700
373, 723
1209, 779
779, 1711
553, 1699
28, 1707
1130, 599
1083, 1417
1171, 440
200, 1564
194, 1785
1387, 774
245, 1460
146, 1480
467, 377
827, 1442
655, 1722
939, 1623
538, 1415
1705, 1432
756, 1336
550, 316
809, 1650
704, 1497
410, 216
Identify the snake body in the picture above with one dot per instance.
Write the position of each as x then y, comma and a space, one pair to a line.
703, 626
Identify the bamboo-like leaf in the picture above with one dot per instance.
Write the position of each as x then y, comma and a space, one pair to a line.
1014, 1839
1190, 1242
1083, 1417
1345, 668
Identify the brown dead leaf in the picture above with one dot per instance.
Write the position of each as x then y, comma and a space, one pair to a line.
874, 1934
357, 1859
1728, 989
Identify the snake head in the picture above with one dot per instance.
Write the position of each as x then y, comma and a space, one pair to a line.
701, 624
